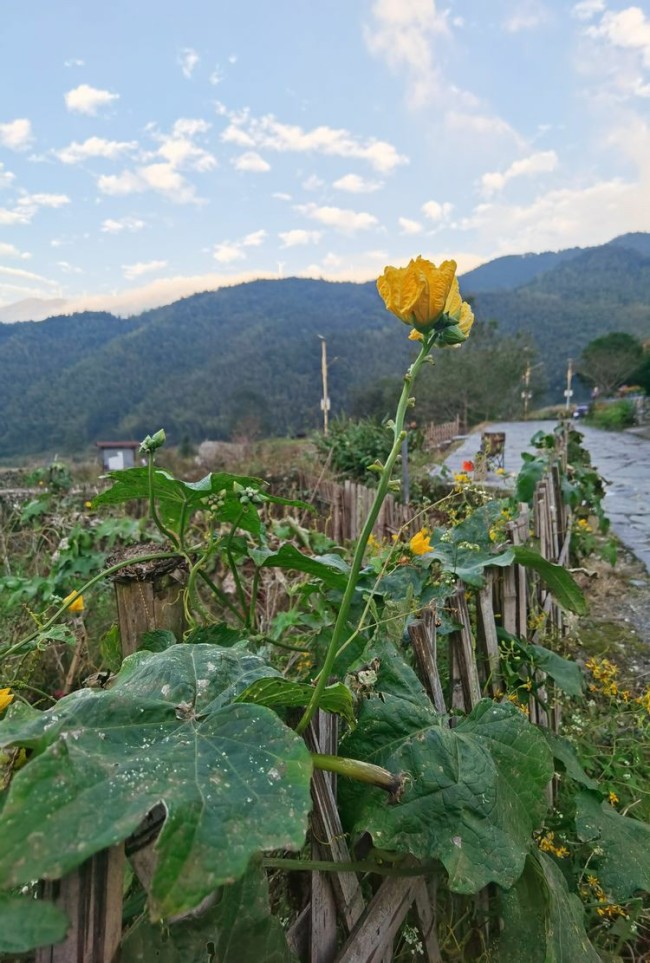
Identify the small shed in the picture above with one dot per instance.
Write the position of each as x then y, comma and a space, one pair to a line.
117, 454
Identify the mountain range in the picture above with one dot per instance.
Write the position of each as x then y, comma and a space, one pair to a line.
248, 357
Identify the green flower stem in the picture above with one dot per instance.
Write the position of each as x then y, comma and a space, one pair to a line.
153, 512
382, 488
252, 611
84, 588
241, 595
360, 771
221, 596
328, 866
192, 600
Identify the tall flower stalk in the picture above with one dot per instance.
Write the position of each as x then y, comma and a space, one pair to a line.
428, 299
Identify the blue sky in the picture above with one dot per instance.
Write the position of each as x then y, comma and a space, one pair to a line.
153, 149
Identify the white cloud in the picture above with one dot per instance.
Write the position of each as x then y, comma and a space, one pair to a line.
229, 251
190, 126
162, 178
526, 15
268, 133
281, 196
127, 182
133, 271
480, 125
10, 250
226, 253
627, 29
254, 239
582, 214
251, 162
177, 151
354, 184
188, 60
74, 62
160, 291
6, 177
216, 77
587, 9
68, 268
298, 237
407, 226
313, 183
117, 225
28, 205
76, 153
437, 212
43, 200
27, 276
342, 219
9, 218
16, 134
540, 163
402, 33
85, 99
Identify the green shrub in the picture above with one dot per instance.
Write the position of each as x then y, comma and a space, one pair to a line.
614, 416
355, 445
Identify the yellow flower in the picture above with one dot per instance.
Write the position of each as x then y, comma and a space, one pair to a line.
88, 504
416, 335
77, 605
613, 798
462, 478
418, 293
420, 544
459, 310
6, 698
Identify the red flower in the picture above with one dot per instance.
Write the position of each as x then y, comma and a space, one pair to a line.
468, 466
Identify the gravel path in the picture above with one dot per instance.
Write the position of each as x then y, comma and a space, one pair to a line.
622, 458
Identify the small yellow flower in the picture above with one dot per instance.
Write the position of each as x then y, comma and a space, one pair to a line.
77, 605
592, 880
416, 335
420, 544
462, 478
499, 471
528, 684
613, 798
6, 698
88, 504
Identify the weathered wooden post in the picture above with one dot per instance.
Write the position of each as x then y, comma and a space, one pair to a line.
149, 596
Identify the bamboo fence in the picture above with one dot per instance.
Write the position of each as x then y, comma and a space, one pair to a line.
339, 922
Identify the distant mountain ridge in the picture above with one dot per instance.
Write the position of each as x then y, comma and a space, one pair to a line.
248, 357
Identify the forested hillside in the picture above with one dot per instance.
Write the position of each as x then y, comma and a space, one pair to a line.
246, 359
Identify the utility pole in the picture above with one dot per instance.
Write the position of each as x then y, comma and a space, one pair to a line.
325, 401
568, 393
526, 393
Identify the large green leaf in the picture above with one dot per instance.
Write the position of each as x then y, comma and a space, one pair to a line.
238, 929
26, 923
566, 674
623, 866
276, 693
234, 780
564, 752
466, 549
332, 570
542, 921
473, 793
530, 473
559, 581
176, 498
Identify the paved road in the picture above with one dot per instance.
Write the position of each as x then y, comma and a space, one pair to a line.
623, 459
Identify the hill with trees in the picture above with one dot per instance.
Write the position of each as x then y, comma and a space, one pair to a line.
245, 360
